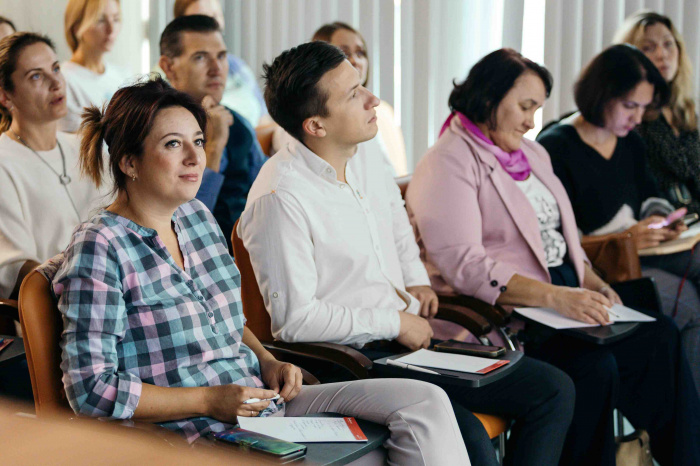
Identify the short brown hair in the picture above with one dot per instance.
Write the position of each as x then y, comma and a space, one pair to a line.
124, 124
612, 74
488, 83
325, 33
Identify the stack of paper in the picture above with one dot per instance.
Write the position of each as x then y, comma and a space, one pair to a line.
306, 429
452, 361
551, 318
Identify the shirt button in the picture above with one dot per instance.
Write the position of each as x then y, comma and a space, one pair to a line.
328, 170
494, 283
210, 314
342, 186
503, 289
275, 295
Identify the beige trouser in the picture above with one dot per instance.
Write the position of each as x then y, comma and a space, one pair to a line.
422, 425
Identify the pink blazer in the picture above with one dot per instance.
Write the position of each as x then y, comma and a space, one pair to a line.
475, 227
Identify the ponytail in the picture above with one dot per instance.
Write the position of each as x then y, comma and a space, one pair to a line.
92, 137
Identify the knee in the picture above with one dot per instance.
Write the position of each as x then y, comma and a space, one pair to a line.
604, 370
563, 396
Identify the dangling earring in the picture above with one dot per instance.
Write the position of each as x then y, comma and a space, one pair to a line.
133, 177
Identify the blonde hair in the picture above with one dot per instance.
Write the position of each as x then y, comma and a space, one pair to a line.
81, 15
681, 103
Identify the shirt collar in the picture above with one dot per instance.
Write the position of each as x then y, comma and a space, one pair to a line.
135, 227
315, 163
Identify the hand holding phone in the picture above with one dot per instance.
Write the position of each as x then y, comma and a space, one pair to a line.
668, 221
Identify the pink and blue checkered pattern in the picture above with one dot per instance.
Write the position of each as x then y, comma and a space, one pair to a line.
132, 316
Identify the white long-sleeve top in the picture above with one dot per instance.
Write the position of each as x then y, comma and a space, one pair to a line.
36, 215
332, 259
85, 87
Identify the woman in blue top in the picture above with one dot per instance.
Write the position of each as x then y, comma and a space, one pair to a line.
153, 324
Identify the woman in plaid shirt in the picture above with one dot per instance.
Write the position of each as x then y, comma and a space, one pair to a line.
153, 324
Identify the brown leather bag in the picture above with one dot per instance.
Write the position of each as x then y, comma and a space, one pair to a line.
614, 256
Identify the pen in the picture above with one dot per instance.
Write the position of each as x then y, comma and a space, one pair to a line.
416, 368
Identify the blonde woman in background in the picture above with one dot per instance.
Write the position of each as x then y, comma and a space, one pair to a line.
671, 133
91, 28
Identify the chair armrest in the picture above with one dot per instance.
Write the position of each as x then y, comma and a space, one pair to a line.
307, 377
9, 308
641, 293
495, 314
350, 359
467, 318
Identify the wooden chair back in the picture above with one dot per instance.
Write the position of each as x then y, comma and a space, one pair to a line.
258, 320
41, 330
264, 135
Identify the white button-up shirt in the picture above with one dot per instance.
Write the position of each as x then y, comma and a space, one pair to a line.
332, 259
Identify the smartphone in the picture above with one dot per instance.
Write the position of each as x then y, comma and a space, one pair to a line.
454, 346
673, 217
282, 450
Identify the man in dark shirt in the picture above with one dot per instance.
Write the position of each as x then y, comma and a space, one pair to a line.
194, 59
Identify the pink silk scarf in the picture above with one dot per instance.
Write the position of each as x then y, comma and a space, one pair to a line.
515, 163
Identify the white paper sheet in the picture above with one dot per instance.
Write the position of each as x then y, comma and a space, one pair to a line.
449, 361
305, 429
553, 319
691, 231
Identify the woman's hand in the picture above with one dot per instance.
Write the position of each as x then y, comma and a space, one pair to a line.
645, 237
581, 304
225, 402
609, 293
276, 374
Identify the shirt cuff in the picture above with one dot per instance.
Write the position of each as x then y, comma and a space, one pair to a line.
495, 284
393, 326
209, 190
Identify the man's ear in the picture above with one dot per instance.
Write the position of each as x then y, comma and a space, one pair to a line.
313, 127
166, 64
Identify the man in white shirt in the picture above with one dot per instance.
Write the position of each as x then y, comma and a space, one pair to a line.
333, 252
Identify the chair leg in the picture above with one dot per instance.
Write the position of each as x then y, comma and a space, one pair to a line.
501, 447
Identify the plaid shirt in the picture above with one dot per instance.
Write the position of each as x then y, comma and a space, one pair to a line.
132, 316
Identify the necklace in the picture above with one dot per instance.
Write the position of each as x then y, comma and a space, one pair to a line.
63, 178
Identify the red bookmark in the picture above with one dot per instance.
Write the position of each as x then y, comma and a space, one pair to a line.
355, 429
494, 366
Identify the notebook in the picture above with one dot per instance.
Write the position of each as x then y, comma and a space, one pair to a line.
452, 361
551, 318
306, 429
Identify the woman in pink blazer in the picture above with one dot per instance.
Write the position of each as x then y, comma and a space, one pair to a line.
494, 222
